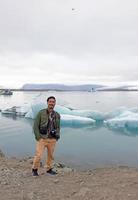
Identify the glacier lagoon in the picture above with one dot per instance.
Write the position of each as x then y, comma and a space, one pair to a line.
97, 129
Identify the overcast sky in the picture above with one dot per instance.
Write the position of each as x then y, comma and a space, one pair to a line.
68, 41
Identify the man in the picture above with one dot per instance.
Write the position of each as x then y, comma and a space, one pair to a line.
47, 132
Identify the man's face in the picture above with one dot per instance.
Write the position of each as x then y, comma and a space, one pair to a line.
51, 103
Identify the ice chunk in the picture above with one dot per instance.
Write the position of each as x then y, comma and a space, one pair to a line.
98, 116
121, 118
36, 107
16, 110
82, 113
71, 120
127, 120
115, 113
134, 109
68, 117
63, 110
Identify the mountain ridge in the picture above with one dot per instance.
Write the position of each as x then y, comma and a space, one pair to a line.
54, 86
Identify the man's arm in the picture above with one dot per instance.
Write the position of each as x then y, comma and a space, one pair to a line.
58, 127
36, 126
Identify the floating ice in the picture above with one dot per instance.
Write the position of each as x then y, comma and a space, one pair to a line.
127, 120
68, 117
36, 107
16, 110
121, 118
71, 120
98, 116
115, 113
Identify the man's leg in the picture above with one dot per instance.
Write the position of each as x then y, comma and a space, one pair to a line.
40, 146
50, 151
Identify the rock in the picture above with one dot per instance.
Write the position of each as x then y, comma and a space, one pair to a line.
81, 183
5, 183
62, 168
58, 165
56, 180
67, 169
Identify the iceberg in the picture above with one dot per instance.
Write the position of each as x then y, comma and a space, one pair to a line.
16, 110
115, 113
36, 107
68, 117
126, 120
121, 118
70, 120
96, 115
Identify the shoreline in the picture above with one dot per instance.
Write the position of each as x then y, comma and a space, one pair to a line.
62, 161
112, 183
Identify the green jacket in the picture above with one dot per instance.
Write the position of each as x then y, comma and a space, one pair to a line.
41, 119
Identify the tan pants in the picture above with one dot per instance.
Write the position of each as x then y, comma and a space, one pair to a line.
40, 147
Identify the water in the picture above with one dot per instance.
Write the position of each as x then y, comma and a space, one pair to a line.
80, 147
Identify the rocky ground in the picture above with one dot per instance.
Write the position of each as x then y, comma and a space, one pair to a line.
17, 183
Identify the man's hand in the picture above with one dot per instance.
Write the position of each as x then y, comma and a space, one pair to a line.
37, 138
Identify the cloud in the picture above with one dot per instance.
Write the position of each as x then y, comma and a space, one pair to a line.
98, 40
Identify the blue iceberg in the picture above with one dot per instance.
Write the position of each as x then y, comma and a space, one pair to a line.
121, 118
37, 106
70, 120
68, 116
126, 120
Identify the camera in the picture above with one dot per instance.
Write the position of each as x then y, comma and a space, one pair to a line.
53, 132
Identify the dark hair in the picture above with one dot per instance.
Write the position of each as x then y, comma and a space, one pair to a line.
51, 97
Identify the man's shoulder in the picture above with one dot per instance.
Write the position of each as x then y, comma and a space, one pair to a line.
42, 111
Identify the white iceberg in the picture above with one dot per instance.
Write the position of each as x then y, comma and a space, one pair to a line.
71, 120
37, 106
96, 115
16, 110
127, 119
68, 117
120, 118
34, 109
115, 113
